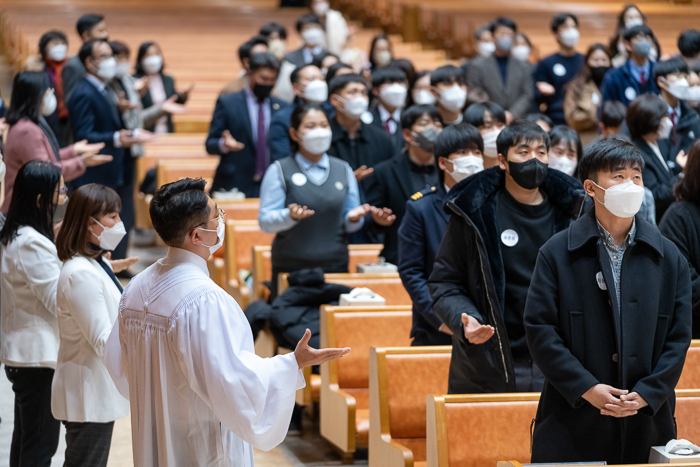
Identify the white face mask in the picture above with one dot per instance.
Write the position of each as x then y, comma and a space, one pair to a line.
316, 91
486, 49
321, 9
694, 93
570, 37
653, 54
423, 97
313, 36
317, 141
453, 99
110, 236
630, 23
49, 105
394, 95
355, 107
122, 70
107, 69
382, 58
220, 231
58, 52
666, 127
621, 49
623, 200
679, 89
490, 143
465, 166
520, 52
152, 64
277, 48
562, 164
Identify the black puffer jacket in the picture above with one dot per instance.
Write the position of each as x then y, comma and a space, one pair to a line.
469, 277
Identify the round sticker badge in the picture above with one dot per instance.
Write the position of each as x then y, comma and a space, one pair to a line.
339, 186
367, 117
595, 98
509, 237
299, 179
559, 69
630, 93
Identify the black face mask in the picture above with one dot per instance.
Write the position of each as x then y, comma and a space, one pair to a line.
426, 139
262, 91
597, 74
530, 174
59, 212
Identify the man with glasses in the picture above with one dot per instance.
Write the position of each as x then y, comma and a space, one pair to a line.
95, 117
182, 350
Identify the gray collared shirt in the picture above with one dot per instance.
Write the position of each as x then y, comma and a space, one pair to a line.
616, 252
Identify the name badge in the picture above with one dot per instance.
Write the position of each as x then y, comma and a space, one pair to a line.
601, 281
630, 93
510, 237
595, 98
299, 179
559, 69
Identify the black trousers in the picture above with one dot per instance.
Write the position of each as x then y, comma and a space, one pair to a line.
87, 444
36, 432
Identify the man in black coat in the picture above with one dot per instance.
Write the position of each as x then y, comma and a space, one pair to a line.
239, 129
500, 219
608, 321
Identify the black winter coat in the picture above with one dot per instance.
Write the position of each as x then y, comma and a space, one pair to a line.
469, 277
573, 325
681, 225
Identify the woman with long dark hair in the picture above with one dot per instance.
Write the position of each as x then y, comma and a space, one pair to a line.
28, 327
681, 224
583, 96
30, 137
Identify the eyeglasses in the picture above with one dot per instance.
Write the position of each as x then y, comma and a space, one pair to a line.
63, 191
222, 215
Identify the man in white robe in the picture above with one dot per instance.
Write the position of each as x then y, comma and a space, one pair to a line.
182, 351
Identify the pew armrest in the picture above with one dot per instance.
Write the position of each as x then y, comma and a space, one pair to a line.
338, 417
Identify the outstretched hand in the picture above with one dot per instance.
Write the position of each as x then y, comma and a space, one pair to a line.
474, 331
308, 356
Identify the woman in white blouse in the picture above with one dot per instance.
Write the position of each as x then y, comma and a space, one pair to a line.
84, 396
28, 325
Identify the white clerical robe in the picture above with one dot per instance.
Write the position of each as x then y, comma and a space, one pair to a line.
183, 354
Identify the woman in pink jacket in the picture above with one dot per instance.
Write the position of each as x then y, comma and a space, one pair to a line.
30, 137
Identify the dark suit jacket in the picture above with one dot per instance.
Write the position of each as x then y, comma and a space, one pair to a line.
397, 140
617, 81
73, 72
296, 57
659, 180
95, 117
278, 135
169, 86
515, 95
236, 169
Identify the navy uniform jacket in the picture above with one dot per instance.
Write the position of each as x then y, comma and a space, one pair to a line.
619, 85
420, 234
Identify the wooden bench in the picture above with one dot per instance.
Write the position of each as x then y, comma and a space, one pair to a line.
176, 169
388, 285
479, 429
344, 404
400, 379
690, 378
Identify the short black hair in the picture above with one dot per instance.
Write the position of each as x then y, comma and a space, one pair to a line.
457, 137
503, 21
271, 28
333, 69
481, 30
247, 46
608, 155
559, 19
28, 91
689, 43
407, 67
297, 117
264, 60
447, 74
474, 114
518, 132
48, 37
569, 135
536, 117
308, 19
87, 22
669, 67
645, 113
177, 208
639, 30
410, 116
119, 48
388, 75
338, 83
613, 114
294, 76
318, 59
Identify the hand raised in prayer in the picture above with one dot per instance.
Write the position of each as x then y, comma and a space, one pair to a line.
358, 213
125, 104
545, 88
612, 401
141, 85
119, 265
682, 158
171, 107
308, 356
298, 213
382, 216
230, 142
475, 332
362, 172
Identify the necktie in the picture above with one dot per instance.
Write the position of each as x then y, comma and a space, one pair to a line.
674, 120
674, 116
261, 146
642, 78
387, 128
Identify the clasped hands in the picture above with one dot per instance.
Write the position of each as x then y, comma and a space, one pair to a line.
614, 402
381, 216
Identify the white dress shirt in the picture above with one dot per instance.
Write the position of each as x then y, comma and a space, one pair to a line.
183, 354
655, 147
28, 325
395, 118
82, 389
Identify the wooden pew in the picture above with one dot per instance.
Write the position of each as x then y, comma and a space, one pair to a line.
400, 379
479, 429
344, 404
688, 414
388, 285
174, 170
690, 378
